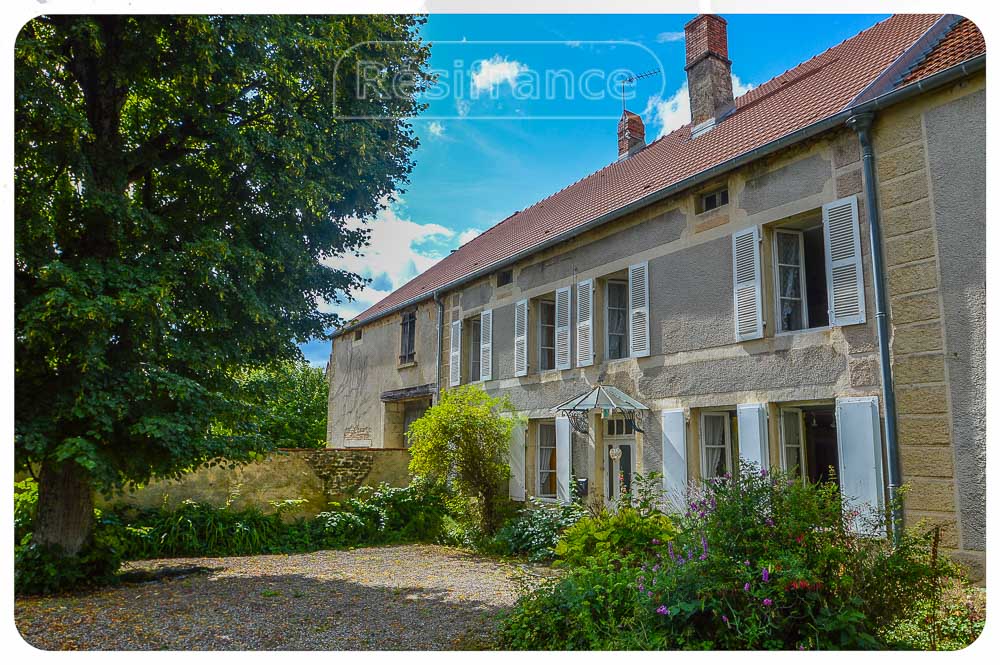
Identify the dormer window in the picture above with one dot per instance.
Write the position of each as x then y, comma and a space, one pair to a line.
713, 200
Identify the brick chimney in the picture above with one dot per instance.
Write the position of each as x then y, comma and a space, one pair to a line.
710, 83
631, 134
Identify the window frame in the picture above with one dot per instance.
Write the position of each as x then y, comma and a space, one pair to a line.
718, 192
776, 274
727, 416
509, 273
408, 332
475, 339
542, 304
803, 463
607, 328
538, 461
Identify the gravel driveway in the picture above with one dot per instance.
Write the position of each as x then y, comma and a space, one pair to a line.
406, 597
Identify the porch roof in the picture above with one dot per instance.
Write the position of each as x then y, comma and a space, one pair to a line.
602, 397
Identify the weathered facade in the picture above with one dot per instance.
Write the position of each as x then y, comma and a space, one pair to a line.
741, 312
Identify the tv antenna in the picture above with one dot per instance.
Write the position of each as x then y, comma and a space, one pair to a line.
633, 79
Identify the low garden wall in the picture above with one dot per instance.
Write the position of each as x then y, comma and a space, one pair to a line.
316, 475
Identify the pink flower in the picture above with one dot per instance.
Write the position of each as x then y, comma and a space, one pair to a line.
662, 609
768, 602
725, 619
656, 541
765, 575
746, 587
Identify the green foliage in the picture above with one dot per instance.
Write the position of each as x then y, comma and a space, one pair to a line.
25, 502
289, 400
535, 530
623, 534
761, 561
376, 516
464, 440
184, 186
952, 622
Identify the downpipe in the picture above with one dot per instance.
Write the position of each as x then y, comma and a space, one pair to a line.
440, 343
861, 123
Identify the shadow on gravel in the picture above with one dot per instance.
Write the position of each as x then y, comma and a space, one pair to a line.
251, 612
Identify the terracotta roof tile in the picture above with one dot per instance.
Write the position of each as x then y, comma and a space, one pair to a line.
963, 42
814, 90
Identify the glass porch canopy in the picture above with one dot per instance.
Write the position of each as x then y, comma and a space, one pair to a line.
606, 398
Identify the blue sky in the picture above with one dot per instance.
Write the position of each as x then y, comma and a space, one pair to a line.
494, 140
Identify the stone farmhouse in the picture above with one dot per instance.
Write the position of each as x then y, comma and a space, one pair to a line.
797, 277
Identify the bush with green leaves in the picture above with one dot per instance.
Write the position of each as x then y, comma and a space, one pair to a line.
623, 534
376, 516
760, 561
464, 440
535, 530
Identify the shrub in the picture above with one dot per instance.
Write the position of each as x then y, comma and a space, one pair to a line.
535, 531
464, 440
622, 534
761, 561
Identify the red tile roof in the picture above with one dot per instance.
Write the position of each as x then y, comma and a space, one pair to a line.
814, 90
963, 42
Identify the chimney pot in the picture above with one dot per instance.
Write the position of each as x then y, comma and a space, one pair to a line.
710, 83
631, 134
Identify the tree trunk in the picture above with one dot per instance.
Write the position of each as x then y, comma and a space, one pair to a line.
65, 514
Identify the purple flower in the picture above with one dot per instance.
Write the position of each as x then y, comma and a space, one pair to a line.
694, 506
656, 567
662, 609
768, 602
765, 574
656, 541
763, 473
641, 587
746, 587
649, 594
769, 522
746, 563
670, 549
725, 619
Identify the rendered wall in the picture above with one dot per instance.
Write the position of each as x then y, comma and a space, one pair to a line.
362, 370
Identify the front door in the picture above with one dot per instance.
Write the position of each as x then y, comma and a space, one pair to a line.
619, 457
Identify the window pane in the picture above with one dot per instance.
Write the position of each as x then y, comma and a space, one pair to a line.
792, 430
788, 249
791, 282
793, 458
791, 314
546, 460
617, 295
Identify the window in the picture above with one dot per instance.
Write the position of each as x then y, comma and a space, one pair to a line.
546, 335
618, 427
809, 442
475, 342
716, 444
407, 337
412, 411
617, 319
716, 199
505, 277
547, 460
357, 335
800, 278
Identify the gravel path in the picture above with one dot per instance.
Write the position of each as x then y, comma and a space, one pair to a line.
407, 597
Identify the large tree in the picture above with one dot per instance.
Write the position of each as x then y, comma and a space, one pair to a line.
179, 182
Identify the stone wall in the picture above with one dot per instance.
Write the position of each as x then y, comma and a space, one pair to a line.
316, 475
930, 159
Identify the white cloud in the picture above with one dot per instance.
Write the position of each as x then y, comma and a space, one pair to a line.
488, 74
462, 107
675, 111
436, 128
664, 37
399, 250
467, 235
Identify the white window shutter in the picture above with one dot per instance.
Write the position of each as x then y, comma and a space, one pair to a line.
859, 452
516, 460
746, 285
585, 323
563, 437
752, 422
675, 457
455, 357
563, 319
486, 345
638, 309
521, 338
844, 274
